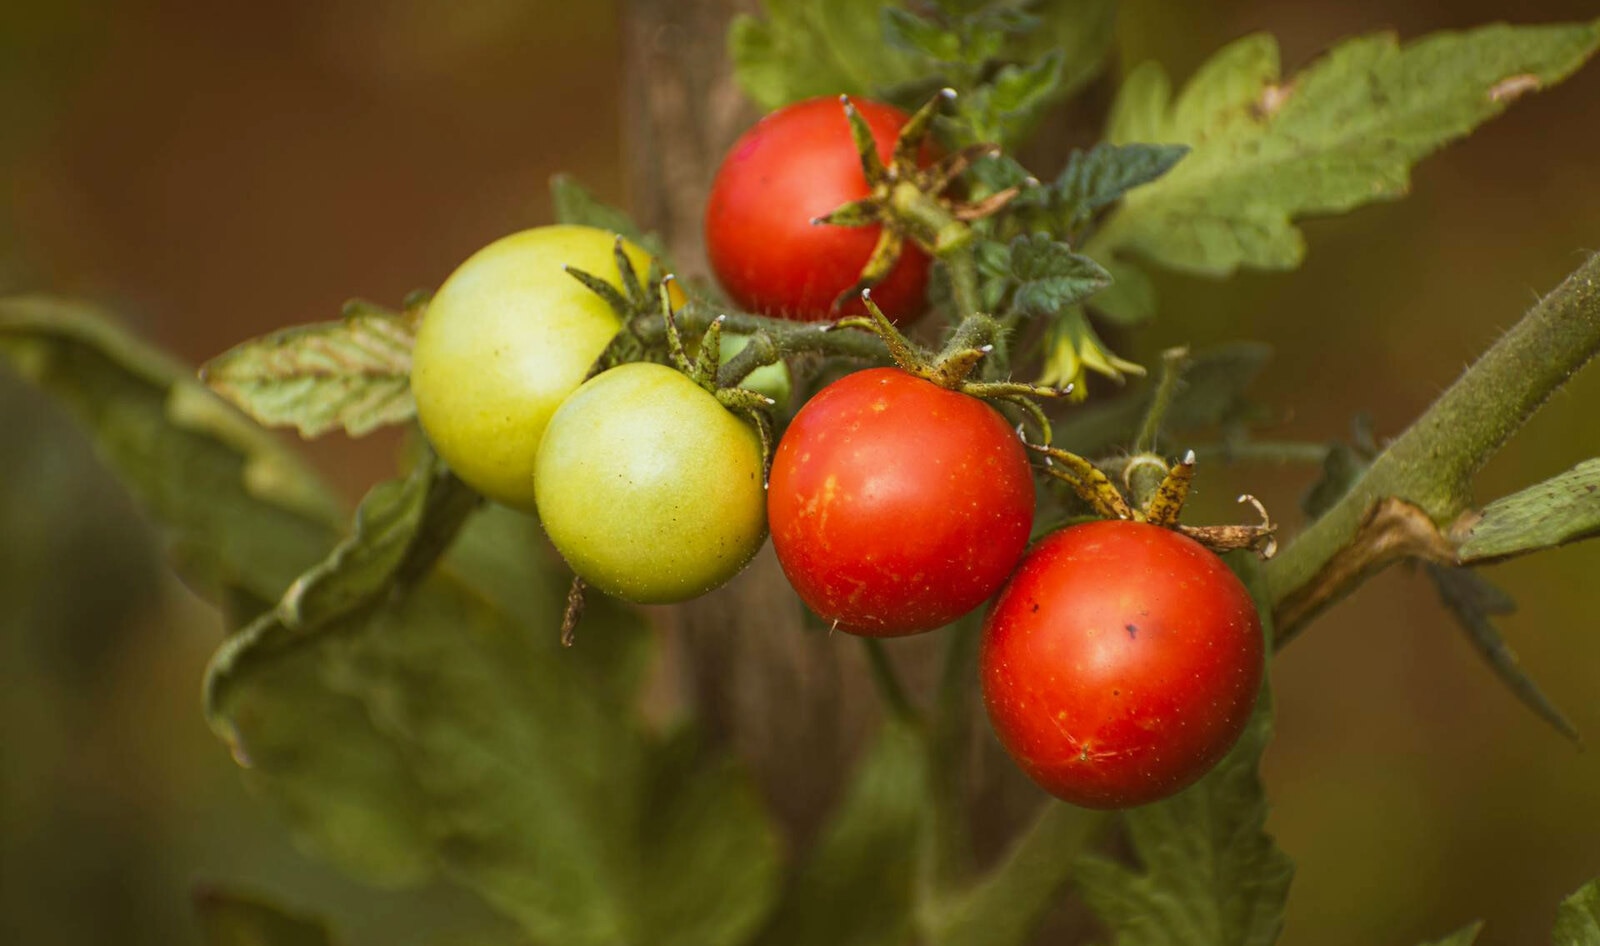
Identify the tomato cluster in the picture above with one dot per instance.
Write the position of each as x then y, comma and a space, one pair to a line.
1119, 660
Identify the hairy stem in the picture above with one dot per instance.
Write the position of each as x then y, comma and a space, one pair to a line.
1432, 464
1263, 451
788, 337
1173, 361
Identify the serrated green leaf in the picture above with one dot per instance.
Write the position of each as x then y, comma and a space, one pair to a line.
858, 887
1050, 277
806, 48
906, 30
1578, 918
1209, 873
1473, 600
352, 375
1465, 936
1562, 509
1080, 30
1004, 108
1102, 175
1340, 134
238, 510
230, 919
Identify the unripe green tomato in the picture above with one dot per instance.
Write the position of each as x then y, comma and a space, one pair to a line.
649, 487
769, 380
507, 337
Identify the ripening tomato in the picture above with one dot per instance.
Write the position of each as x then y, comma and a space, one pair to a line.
1120, 663
649, 487
795, 165
897, 505
507, 337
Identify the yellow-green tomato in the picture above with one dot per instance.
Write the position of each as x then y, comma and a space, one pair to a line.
508, 336
650, 488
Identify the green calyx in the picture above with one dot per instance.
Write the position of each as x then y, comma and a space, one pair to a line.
909, 201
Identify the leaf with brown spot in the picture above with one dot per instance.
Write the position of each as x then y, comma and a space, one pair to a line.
1342, 133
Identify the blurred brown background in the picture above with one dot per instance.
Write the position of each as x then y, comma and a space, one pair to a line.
217, 170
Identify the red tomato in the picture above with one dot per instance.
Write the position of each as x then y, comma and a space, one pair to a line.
896, 505
1120, 663
794, 165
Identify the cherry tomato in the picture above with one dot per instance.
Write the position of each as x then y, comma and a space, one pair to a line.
650, 488
508, 336
794, 165
897, 505
1120, 663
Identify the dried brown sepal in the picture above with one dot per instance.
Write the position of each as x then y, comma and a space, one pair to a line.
1261, 539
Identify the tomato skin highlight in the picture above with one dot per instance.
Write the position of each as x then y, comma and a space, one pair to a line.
896, 506
649, 487
796, 164
1120, 663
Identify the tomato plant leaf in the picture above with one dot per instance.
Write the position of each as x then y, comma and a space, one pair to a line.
871, 47
1465, 936
237, 509
1102, 175
1080, 30
346, 791
352, 375
1209, 873
1050, 278
1005, 107
1578, 918
576, 204
1130, 299
1342, 133
1474, 601
906, 30
806, 48
711, 865
231, 919
514, 766
1562, 509
858, 886
1007, 904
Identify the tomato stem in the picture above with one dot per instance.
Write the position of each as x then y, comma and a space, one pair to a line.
1174, 361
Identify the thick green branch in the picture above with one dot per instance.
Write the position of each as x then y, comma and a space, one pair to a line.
1429, 469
